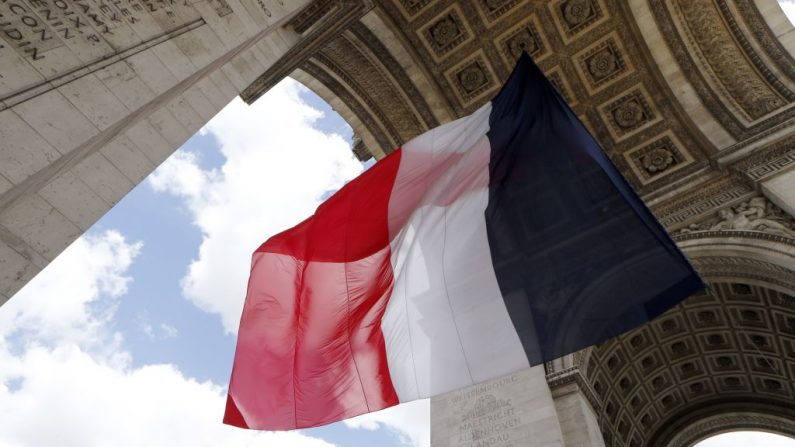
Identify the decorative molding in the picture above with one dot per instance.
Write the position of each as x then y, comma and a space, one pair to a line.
311, 15
363, 77
704, 199
343, 14
562, 378
756, 215
732, 69
411, 8
769, 161
493, 10
395, 70
710, 36
322, 74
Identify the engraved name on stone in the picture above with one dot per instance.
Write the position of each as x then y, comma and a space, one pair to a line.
35, 27
484, 415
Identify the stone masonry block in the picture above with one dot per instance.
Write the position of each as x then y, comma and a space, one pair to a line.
103, 178
150, 142
24, 151
40, 225
152, 71
57, 120
126, 85
95, 101
128, 159
75, 200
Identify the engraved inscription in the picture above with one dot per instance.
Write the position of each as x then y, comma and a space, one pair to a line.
35, 27
483, 418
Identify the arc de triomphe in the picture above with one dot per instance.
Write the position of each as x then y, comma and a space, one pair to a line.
694, 100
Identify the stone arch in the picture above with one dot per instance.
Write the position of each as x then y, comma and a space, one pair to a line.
723, 356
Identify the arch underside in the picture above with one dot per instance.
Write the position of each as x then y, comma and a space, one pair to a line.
693, 100
650, 80
723, 359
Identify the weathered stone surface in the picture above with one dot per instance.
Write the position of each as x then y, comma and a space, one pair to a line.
511, 411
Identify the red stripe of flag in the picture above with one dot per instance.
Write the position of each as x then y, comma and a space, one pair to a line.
310, 348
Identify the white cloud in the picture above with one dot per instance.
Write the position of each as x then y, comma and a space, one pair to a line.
67, 398
75, 294
410, 421
747, 439
277, 167
168, 331
64, 381
162, 331
789, 9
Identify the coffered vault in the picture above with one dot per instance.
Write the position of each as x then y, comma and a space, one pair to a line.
692, 99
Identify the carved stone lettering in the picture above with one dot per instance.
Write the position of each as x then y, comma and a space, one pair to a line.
27, 32
91, 29
485, 416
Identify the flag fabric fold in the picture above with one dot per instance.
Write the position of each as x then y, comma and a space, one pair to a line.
497, 241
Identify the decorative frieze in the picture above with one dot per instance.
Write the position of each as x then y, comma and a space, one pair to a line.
706, 199
755, 214
732, 68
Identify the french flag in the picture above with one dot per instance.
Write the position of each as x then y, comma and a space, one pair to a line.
489, 244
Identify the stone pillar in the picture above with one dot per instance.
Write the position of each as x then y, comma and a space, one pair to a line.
577, 418
780, 189
512, 411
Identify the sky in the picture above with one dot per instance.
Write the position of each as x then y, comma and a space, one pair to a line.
127, 337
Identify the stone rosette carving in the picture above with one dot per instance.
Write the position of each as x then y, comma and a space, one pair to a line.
657, 160
445, 33
525, 39
576, 16
603, 63
756, 214
660, 157
524, 36
472, 79
629, 114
